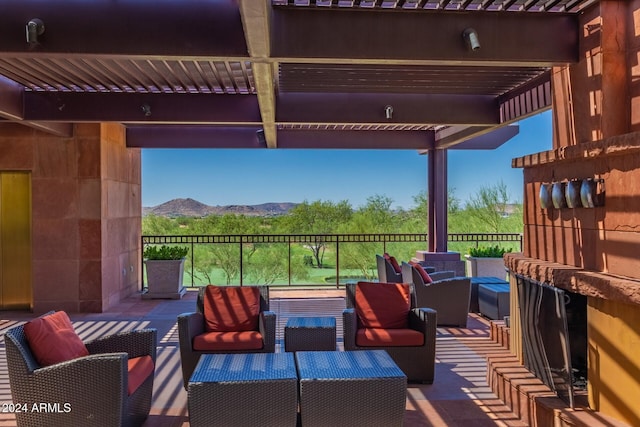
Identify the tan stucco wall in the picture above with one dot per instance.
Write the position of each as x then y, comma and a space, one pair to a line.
86, 213
614, 365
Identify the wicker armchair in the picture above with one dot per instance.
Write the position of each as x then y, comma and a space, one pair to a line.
90, 390
447, 294
386, 272
191, 325
417, 362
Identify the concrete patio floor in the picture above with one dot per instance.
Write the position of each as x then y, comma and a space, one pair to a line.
459, 396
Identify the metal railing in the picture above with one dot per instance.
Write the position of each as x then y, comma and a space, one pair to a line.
242, 240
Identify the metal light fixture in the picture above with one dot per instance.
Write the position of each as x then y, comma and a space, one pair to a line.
470, 36
262, 141
34, 28
146, 110
388, 112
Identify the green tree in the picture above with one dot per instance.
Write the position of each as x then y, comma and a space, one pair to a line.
489, 206
375, 216
319, 217
158, 225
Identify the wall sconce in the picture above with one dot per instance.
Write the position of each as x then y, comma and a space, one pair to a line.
388, 112
572, 194
470, 37
557, 195
576, 193
592, 192
545, 196
34, 28
262, 141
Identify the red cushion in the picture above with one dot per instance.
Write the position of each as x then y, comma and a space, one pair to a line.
231, 308
52, 339
394, 263
423, 273
139, 369
383, 305
218, 341
377, 337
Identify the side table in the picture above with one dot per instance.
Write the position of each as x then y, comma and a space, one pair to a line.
350, 388
244, 389
310, 333
474, 307
494, 300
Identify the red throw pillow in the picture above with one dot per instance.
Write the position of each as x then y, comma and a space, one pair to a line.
383, 305
231, 308
423, 273
52, 339
394, 263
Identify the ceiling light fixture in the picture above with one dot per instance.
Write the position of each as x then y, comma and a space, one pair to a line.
470, 36
34, 28
388, 112
146, 110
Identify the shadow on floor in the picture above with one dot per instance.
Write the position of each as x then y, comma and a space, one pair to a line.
459, 396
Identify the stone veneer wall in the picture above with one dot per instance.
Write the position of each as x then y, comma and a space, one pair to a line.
595, 251
121, 215
86, 213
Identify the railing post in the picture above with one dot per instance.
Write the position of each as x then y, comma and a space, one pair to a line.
241, 261
192, 265
289, 246
337, 263
141, 263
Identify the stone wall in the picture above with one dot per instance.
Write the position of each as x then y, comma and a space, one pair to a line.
86, 213
595, 251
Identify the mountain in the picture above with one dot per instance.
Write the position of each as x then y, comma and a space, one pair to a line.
193, 208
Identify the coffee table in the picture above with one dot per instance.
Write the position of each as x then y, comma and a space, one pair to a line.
244, 389
348, 388
310, 333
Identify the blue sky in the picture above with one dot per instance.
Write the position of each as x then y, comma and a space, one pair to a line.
254, 176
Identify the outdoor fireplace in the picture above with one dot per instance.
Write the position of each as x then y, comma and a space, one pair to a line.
554, 336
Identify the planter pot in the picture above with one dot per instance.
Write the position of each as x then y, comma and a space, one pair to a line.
485, 267
164, 279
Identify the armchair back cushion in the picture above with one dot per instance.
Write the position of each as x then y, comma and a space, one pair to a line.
394, 262
231, 308
421, 271
383, 305
52, 339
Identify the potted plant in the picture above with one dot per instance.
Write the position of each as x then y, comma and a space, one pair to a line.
486, 262
165, 268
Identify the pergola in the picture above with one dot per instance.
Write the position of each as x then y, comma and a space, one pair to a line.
383, 74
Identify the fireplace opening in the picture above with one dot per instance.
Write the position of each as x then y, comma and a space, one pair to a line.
554, 335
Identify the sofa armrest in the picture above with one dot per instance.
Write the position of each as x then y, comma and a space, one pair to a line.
423, 319
349, 328
142, 342
106, 374
267, 326
189, 326
440, 275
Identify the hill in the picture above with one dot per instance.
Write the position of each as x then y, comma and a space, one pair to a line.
193, 208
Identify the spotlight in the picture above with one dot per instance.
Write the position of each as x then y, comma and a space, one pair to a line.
146, 110
471, 38
34, 28
388, 112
